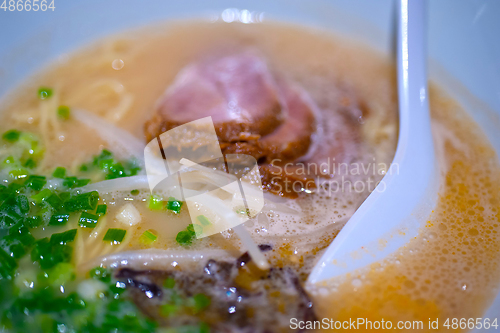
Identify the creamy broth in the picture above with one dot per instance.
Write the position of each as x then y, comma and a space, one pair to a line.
150, 65
450, 270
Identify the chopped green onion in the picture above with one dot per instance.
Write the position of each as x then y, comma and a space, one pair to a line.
49, 254
15, 187
184, 238
84, 201
34, 221
9, 160
118, 288
59, 219
22, 234
174, 205
155, 202
190, 229
100, 273
35, 182
19, 173
148, 237
72, 182
63, 112
44, 92
59, 172
168, 309
169, 283
11, 136
114, 235
104, 155
60, 274
101, 209
203, 220
63, 237
31, 141
30, 163
197, 229
134, 192
23, 204
187, 236
17, 250
105, 164
112, 168
8, 265
42, 195
88, 220
54, 201
201, 302
64, 196
116, 170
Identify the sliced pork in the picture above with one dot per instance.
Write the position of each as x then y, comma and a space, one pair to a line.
238, 92
258, 113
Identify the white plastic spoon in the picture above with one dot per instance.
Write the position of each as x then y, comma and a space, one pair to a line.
399, 206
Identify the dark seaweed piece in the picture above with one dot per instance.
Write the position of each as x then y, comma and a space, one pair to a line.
306, 305
245, 257
149, 289
265, 305
220, 270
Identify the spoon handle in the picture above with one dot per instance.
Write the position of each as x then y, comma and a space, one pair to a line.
414, 117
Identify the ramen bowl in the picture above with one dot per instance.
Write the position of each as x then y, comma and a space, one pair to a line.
464, 51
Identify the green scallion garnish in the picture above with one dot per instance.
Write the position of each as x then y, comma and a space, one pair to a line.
63, 112
19, 173
114, 235
134, 192
88, 220
20, 233
59, 172
155, 202
9, 160
169, 283
203, 220
174, 205
110, 167
63, 237
169, 309
59, 218
11, 136
72, 182
50, 254
54, 201
84, 201
201, 302
187, 236
148, 237
44, 92
8, 265
30, 163
42, 195
35, 182
184, 238
100, 273
101, 209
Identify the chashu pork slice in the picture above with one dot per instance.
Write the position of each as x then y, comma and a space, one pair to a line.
237, 91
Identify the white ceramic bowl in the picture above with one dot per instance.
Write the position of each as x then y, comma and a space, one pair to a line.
463, 35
